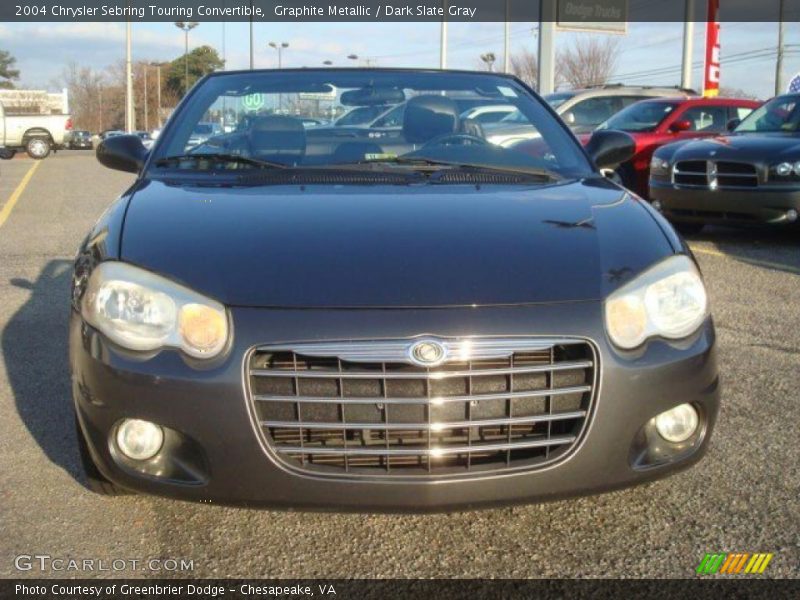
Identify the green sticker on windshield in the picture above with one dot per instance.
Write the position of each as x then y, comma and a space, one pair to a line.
379, 156
253, 101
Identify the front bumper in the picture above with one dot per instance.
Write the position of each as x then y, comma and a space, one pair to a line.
723, 206
209, 407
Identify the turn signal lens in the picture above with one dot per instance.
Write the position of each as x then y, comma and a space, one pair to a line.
204, 330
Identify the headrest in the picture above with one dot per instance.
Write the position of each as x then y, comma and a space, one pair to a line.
278, 138
427, 117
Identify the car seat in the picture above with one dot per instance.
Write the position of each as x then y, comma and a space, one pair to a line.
278, 139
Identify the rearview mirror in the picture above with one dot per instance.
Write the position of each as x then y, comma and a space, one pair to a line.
609, 149
682, 125
123, 153
732, 124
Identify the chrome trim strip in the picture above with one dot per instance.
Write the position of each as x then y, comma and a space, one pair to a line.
563, 366
436, 400
424, 451
396, 351
425, 426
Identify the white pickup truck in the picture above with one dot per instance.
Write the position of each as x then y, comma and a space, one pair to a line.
36, 134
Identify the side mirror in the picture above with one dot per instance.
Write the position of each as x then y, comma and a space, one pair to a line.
569, 118
678, 126
123, 153
609, 149
732, 124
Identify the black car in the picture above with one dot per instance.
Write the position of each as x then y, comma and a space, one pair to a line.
750, 176
273, 318
80, 140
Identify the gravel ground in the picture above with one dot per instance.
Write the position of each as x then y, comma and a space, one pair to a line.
742, 497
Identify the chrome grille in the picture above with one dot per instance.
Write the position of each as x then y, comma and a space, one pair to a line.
364, 409
714, 174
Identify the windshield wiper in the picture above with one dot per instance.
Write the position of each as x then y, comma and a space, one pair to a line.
436, 165
221, 157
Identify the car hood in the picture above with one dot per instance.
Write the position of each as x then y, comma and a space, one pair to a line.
392, 246
749, 147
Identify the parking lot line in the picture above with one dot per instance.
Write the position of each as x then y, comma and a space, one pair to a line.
750, 261
15, 195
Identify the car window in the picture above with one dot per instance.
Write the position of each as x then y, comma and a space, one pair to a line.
259, 116
642, 116
393, 118
741, 112
593, 111
781, 114
360, 115
706, 118
491, 117
628, 100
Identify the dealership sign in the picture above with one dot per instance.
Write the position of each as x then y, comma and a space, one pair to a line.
604, 16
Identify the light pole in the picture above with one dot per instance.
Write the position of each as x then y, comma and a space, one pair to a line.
489, 59
158, 81
279, 46
146, 120
186, 27
129, 116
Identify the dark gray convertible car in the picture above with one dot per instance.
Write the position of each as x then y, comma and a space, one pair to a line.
282, 317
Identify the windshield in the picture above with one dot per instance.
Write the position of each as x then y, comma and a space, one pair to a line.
781, 114
255, 120
642, 116
557, 99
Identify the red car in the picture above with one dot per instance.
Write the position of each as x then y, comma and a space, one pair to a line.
653, 123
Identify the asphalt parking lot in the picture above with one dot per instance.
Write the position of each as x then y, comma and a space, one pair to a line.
743, 497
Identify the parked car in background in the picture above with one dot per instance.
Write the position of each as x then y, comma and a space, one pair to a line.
147, 139
751, 175
80, 140
110, 133
653, 123
37, 134
202, 132
581, 110
434, 323
360, 115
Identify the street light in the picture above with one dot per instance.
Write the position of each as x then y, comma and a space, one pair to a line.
489, 59
279, 47
186, 27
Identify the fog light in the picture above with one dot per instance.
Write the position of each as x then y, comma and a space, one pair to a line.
677, 424
139, 439
791, 215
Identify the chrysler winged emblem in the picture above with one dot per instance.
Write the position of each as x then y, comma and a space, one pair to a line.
427, 353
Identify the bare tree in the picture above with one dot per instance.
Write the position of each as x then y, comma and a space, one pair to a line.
525, 65
589, 61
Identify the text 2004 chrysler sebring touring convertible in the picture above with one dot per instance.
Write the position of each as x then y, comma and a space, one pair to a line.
387, 319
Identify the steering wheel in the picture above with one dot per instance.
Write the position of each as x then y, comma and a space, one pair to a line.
456, 139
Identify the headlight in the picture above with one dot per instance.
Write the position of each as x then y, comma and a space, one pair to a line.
784, 169
659, 165
142, 311
667, 300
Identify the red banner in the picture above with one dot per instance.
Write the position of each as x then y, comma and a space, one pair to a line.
711, 85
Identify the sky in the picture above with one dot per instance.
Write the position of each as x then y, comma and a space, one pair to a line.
43, 50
